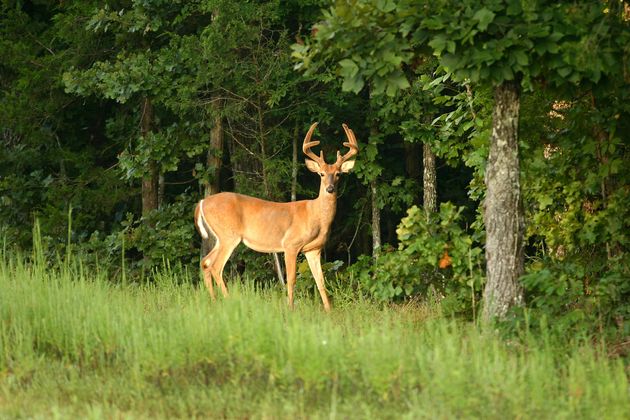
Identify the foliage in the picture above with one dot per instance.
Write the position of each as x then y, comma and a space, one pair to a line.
579, 218
491, 41
74, 76
435, 255
166, 233
54, 155
575, 295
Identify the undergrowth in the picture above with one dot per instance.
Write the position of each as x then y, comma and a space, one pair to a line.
73, 344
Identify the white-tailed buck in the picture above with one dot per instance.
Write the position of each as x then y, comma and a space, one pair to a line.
265, 226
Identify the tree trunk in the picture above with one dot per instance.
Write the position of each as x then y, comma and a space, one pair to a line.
214, 159
294, 163
235, 162
376, 211
429, 180
376, 219
161, 190
215, 150
266, 184
151, 179
503, 214
263, 150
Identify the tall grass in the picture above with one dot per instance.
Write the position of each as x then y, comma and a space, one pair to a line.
74, 344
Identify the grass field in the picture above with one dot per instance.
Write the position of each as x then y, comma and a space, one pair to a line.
74, 345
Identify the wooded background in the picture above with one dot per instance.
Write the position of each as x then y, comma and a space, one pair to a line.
494, 139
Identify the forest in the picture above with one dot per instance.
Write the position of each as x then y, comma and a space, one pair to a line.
487, 213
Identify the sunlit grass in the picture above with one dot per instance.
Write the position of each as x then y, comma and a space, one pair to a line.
74, 344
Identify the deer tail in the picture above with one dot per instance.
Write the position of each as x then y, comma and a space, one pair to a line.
200, 221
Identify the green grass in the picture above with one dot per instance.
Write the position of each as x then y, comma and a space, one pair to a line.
74, 345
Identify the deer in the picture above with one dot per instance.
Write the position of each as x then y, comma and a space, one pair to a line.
266, 226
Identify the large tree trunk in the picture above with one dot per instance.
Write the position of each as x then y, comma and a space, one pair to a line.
503, 214
429, 180
151, 178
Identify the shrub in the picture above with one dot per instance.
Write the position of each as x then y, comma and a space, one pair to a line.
435, 255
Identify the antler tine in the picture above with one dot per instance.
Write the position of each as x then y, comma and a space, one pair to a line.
351, 144
306, 147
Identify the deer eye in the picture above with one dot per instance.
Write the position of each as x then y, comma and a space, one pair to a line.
321, 174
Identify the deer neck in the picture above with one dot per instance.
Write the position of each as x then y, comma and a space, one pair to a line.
326, 204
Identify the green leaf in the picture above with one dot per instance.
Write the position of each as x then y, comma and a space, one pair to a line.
386, 6
450, 61
544, 201
353, 84
434, 23
348, 68
507, 73
521, 57
484, 16
392, 58
398, 80
438, 44
564, 71
514, 8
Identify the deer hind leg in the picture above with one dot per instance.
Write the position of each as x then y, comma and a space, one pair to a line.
223, 252
314, 262
206, 232
206, 263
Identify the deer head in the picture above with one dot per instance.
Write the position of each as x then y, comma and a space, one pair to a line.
330, 173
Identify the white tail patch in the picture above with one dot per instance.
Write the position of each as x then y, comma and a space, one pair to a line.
201, 222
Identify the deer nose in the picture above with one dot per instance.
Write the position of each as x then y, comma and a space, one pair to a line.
330, 189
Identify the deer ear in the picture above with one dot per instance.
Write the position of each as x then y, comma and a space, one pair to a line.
312, 165
347, 166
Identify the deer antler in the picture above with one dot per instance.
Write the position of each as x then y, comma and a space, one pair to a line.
352, 145
306, 147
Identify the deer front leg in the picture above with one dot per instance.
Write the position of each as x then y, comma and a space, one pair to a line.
314, 262
290, 258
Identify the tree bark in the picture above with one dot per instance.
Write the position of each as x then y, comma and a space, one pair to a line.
161, 190
214, 159
151, 179
235, 163
294, 163
263, 150
265, 175
376, 219
376, 211
215, 150
503, 214
429, 180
